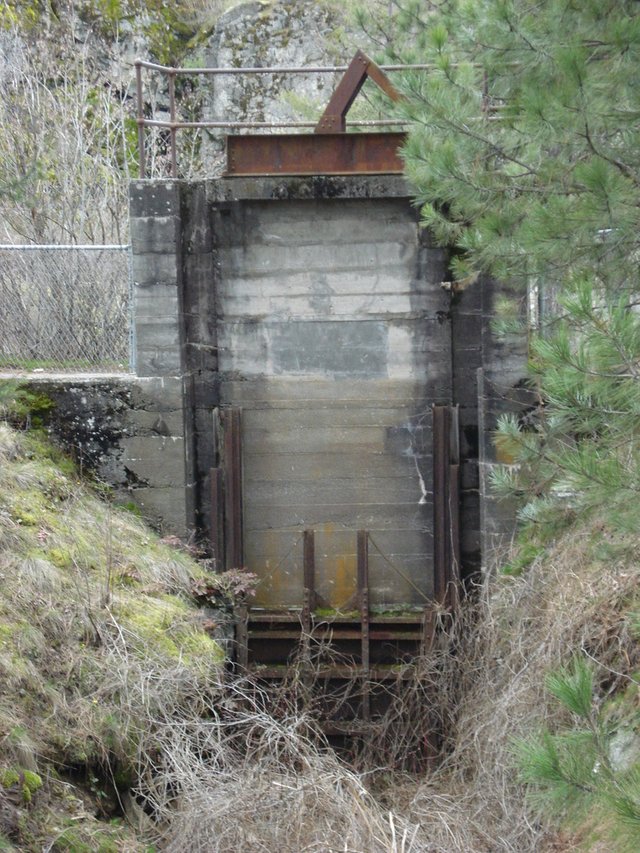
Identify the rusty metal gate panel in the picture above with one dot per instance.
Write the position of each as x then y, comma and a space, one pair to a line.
227, 546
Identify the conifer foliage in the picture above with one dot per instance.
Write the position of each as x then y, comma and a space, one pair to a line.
524, 149
524, 152
584, 765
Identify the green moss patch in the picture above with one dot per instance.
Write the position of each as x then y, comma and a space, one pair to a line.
98, 633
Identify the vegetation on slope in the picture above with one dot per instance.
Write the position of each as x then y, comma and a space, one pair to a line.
98, 632
117, 729
116, 733
112, 696
515, 650
523, 152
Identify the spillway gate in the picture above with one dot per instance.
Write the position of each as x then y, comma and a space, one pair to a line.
338, 397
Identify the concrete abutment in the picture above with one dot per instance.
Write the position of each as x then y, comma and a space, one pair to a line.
316, 306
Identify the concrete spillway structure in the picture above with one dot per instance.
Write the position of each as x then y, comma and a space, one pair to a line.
315, 308
329, 342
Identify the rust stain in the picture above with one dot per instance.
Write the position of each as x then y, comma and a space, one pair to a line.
282, 581
345, 579
315, 154
338, 569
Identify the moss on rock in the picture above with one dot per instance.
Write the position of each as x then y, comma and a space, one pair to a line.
25, 781
96, 617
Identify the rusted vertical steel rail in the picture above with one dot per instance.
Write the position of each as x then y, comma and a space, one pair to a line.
173, 130
232, 465
237, 487
363, 595
441, 534
453, 592
140, 102
453, 587
428, 629
217, 519
446, 487
308, 600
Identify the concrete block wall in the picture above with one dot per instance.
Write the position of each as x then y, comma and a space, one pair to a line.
129, 432
157, 229
332, 340
315, 305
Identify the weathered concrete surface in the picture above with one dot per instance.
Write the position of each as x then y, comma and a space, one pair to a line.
315, 305
334, 340
128, 432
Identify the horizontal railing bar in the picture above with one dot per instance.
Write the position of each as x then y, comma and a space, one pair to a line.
152, 122
273, 69
88, 247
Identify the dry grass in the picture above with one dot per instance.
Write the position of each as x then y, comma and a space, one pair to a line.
112, 692
107, 674
245, 780
255, 777
97, 629
508, 640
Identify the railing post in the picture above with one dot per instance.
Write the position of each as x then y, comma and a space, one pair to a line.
140, 101
173, 130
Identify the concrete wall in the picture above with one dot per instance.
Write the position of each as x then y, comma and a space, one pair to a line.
330, 339
128, 432
316, 306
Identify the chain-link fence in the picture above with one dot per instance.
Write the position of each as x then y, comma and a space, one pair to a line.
64, 307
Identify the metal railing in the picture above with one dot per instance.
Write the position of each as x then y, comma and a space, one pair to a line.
174, 124
65, 307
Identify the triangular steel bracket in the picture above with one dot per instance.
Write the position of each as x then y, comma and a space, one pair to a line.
333, 119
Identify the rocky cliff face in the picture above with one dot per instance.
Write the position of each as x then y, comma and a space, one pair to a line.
287, 33
67, 98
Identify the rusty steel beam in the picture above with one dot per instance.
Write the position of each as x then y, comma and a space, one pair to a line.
453, 591
273, 616
217, 518
446, 489
333, 119
232, 465
326, 629
315, 154
440, 468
